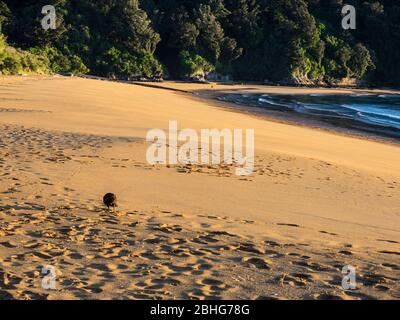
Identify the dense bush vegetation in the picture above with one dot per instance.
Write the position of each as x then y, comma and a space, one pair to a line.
193, 65
276, 40
15, 61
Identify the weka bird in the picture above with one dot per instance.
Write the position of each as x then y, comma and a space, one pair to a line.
110, 200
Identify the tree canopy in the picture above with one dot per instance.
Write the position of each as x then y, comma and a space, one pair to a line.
286, 41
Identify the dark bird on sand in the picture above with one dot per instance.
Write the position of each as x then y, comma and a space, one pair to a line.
110, 200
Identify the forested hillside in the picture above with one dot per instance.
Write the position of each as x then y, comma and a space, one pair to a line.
286, 41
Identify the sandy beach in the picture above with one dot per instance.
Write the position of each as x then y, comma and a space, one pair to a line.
316, 202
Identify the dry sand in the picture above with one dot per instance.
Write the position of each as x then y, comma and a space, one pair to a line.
316, 202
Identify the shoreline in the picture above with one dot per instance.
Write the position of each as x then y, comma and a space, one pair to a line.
213, 97
287, 118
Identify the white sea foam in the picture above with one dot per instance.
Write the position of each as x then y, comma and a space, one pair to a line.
269, 101
374, 110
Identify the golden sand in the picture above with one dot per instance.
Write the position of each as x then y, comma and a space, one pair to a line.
316, 202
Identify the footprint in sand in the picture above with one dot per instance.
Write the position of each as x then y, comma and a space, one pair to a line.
258, 263
346, 253
394, 253
289, 225
326, 296
250, 247
208, 289
328, 233
294, 280
167, 228
391, 266
388, 241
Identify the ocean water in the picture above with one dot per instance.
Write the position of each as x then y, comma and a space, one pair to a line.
375, 114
